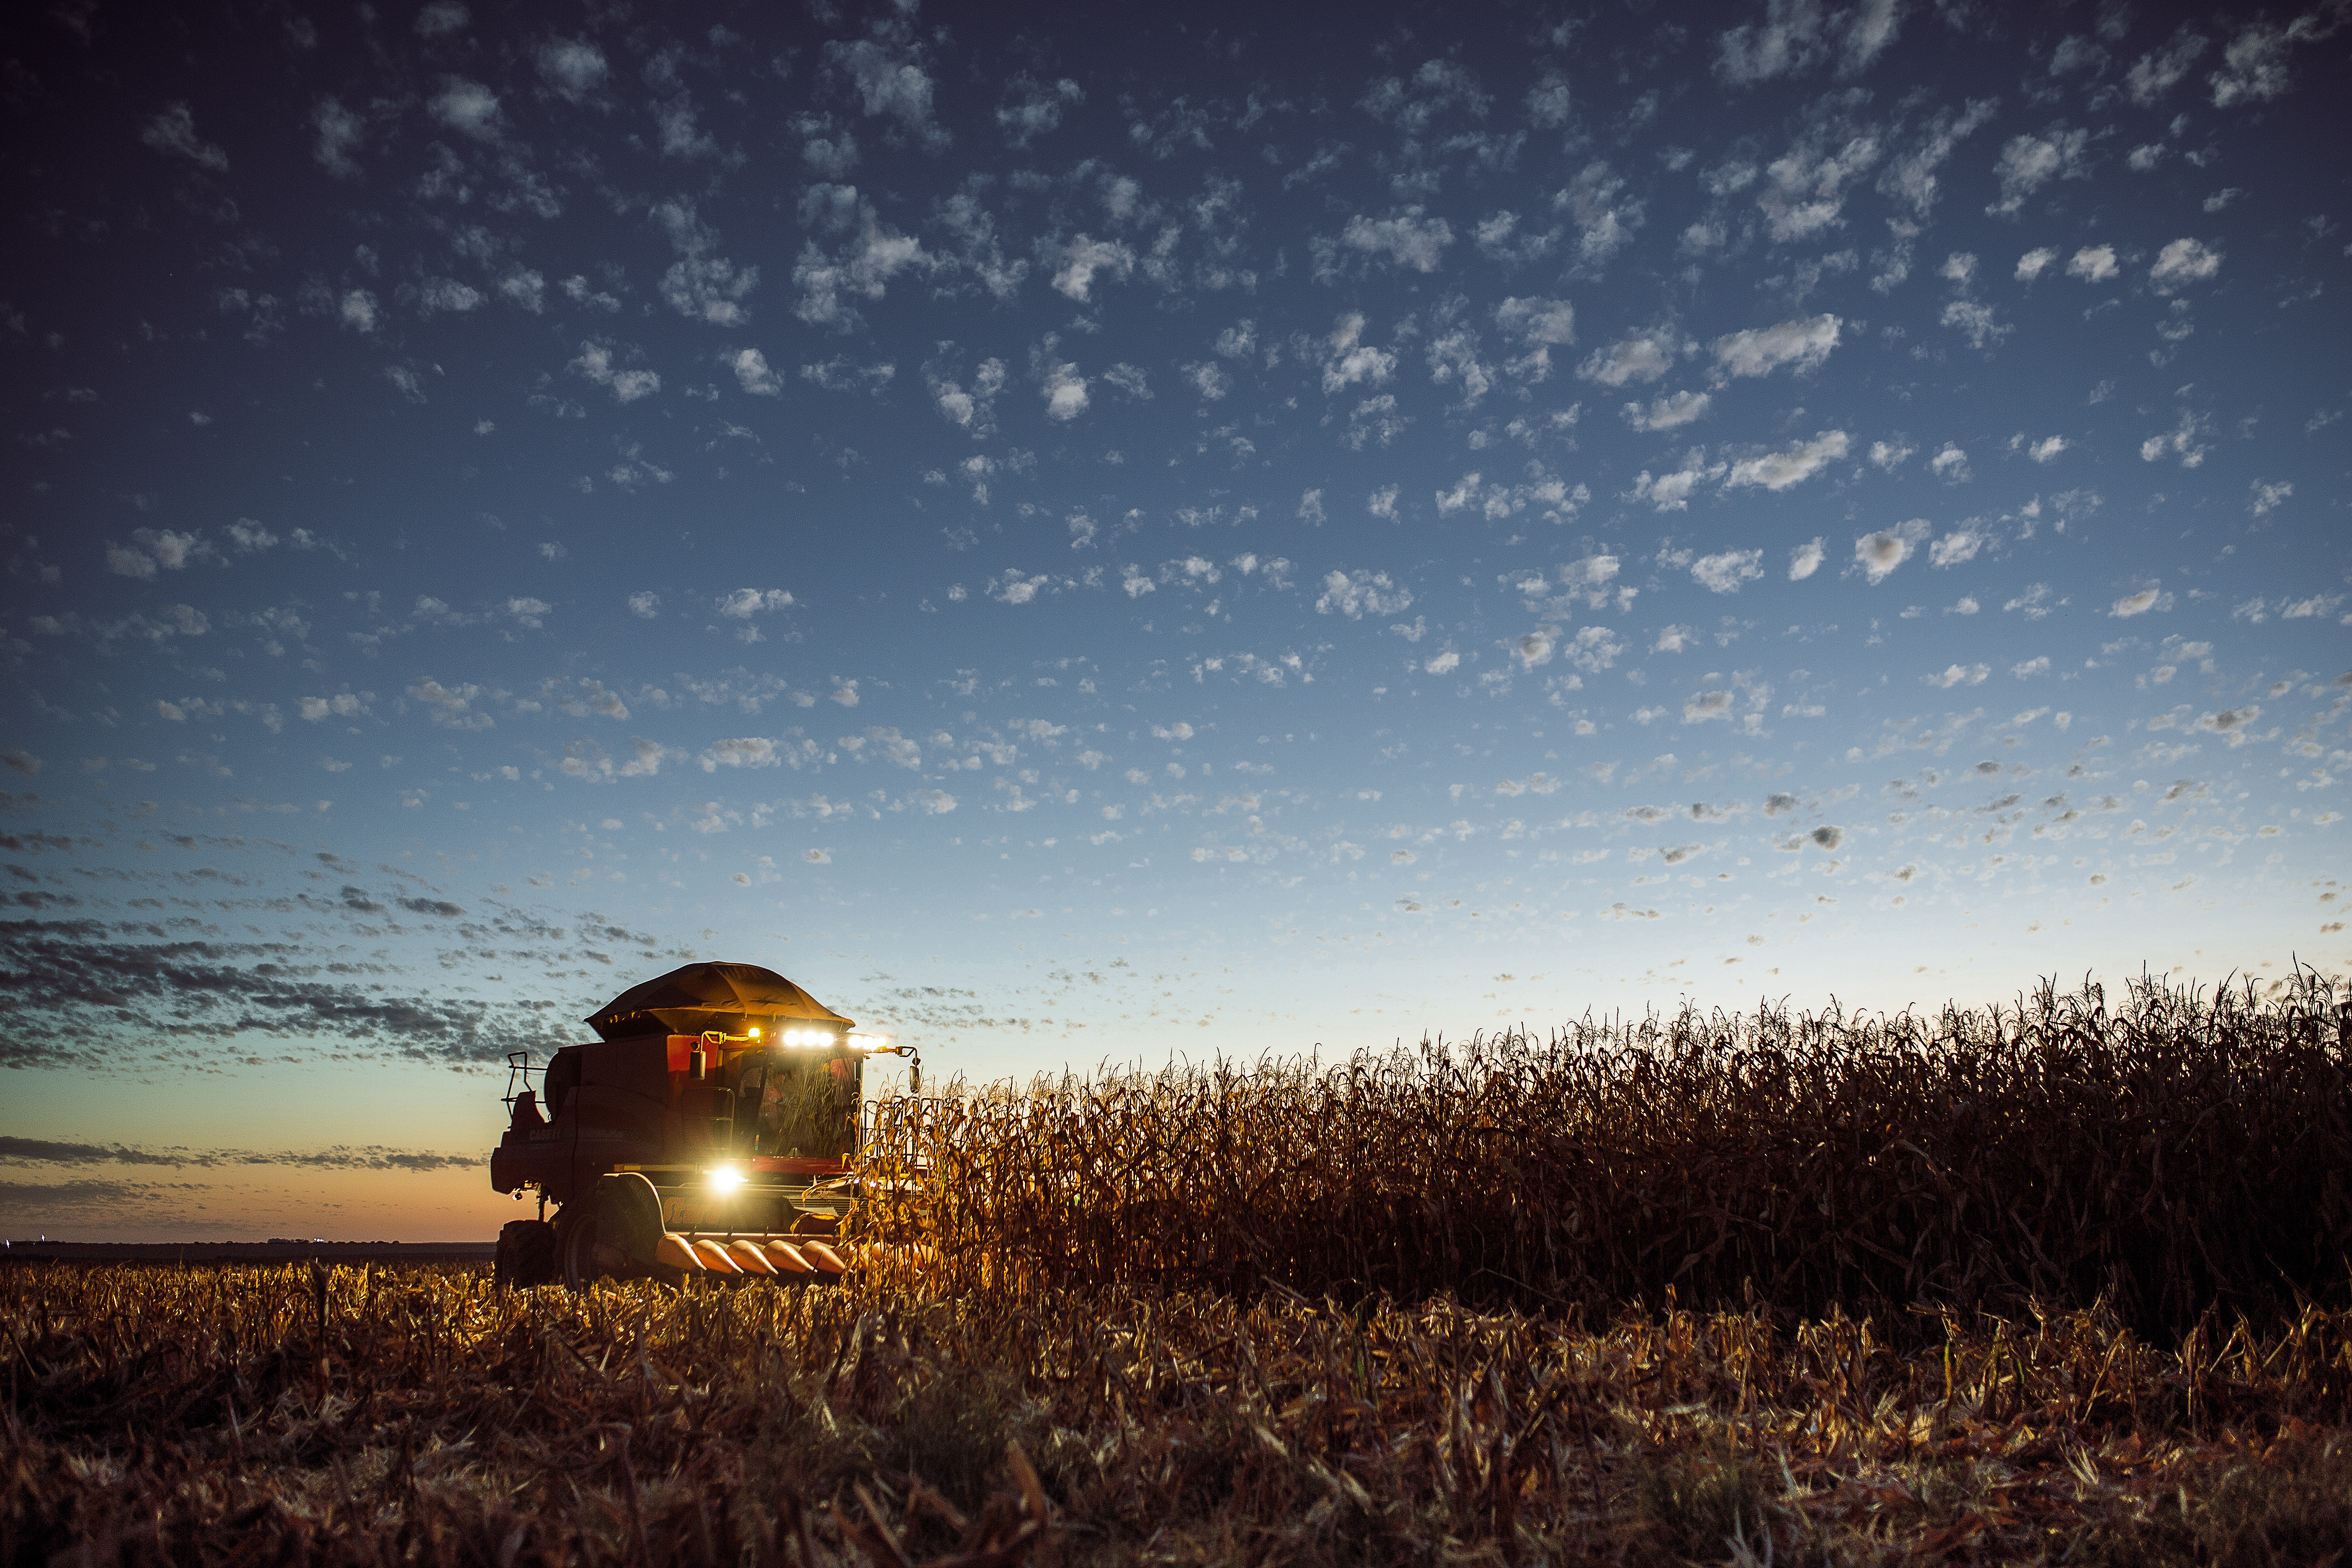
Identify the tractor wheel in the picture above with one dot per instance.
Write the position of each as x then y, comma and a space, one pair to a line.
575, 1247
526, 1253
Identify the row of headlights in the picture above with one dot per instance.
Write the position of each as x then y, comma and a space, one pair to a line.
825, 1038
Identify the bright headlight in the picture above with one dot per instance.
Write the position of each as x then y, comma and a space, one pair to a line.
726, 1179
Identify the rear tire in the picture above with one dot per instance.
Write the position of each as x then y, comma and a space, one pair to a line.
526, 1255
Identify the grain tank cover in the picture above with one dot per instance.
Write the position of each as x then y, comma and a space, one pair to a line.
699, 996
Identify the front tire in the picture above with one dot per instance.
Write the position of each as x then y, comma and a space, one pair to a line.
575, 1247
526, 1255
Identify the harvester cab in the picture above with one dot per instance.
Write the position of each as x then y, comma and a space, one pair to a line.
710, 1128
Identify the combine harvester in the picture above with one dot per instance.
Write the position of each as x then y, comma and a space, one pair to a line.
710, 1129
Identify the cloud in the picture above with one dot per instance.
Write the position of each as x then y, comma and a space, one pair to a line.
341, 1157
173, 132
1083, 258
2229, 720
702, 285
1358, 593
1065, 390
1500, 238
2155, 73
2048, 449
1779, 470
869, 257
972, 409
1805, 343
1707, 705
2093, 264
743, 603
71, 989
2140, 602
2253, 65
574, 70
1644, 356
1878, 554
1667, 413
2181, 263
2180, 441
446, 294
467, 107
1797, 34
889, 81
1012, 587
752, 373
2031, 265
2267, 496
1725, 572
22, 761
1537, 321
1038, 110
2028, 163
595, 364
151, 548
1406, 237
1959, 545
1351, 361
1589, 575
1805, 560
1911, 176
1976, 321
339, 134
1604, 219
1805, 187
1959, 675
1671, 491
525, 288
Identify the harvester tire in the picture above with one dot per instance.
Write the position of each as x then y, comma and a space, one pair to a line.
526, 1253
575, 1247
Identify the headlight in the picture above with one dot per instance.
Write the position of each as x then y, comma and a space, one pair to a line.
875, 1044
726, 1179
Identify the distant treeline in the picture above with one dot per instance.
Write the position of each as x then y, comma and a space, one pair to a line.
2179, 1152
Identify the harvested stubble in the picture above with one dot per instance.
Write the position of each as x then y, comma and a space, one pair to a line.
2180, 1152
272, 1416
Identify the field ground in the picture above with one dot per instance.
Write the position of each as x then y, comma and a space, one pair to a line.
414, 1415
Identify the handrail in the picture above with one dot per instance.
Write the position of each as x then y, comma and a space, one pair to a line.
519, 1065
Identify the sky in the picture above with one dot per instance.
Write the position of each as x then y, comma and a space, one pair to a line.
1094, 536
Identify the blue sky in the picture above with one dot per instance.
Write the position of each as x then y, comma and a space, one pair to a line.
1110, 538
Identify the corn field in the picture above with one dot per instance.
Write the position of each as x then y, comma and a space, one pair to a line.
2174, 1154
2054, 1284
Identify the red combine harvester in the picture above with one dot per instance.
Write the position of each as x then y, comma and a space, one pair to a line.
709, 1128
